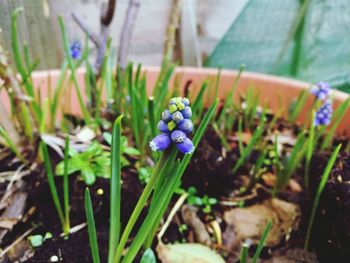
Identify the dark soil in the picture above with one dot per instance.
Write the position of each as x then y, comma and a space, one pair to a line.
210, 172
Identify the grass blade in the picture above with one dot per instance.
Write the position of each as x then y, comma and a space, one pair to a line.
199, 99
337, 117
152, 122
114, 230
72, 68
256, 136
51, 181
66, 187
298, 106
262, 242
244, 253
229, 99
11, 144
320, 188
91, 227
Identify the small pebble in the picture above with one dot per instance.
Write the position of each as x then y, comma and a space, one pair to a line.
54, 259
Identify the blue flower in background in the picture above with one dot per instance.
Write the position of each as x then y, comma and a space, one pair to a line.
174, 125
321, 90
75, 49
324, 114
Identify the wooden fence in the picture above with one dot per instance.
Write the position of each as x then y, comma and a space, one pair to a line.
203, 23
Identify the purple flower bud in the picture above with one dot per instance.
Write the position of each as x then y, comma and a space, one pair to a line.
321, 90
75, 49
187, 112
177, 117
186, 146
324, 114
178, 136
160, 142
163, 127
166, 116
186, 101
186, 126
173, 101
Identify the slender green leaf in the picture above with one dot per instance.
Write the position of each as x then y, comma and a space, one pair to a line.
66, 187
337, 117
91, 227
244, 253
262, 242
114, 230
320, 188
71, 65
51, 181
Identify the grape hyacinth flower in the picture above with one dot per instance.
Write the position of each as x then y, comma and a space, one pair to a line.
321, 90
174, 126
75, 49
324, 114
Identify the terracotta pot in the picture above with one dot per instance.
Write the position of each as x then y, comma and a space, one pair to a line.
274, 91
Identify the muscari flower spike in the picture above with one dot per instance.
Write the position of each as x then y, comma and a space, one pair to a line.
75, 49
321, 90
324, 114
174, 126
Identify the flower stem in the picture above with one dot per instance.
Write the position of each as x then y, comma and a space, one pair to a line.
140, 204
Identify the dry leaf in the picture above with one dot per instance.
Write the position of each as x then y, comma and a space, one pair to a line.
187, 253
269, 179
250, 222
189, 215
295, 186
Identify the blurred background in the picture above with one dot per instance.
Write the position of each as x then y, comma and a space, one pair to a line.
303, 39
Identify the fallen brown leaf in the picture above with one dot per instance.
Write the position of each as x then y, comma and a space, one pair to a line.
250, 222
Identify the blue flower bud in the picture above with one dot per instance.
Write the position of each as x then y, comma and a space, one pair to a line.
163, 127
166, 116
186, 126
186, 146
160, 142
173, 101
187, 112
324, 114
186, 101
75, 49
178, 136
321, 90
177, 117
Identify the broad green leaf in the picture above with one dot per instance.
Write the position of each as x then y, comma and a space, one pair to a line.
187, 253
148, 256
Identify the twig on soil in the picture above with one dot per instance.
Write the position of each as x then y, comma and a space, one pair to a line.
127, 29
25, 234
74, 229
172, 213
8, 192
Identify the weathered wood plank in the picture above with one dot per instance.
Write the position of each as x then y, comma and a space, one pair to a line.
40, 28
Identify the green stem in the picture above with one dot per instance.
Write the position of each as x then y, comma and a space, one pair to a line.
320, 188
140, 205
114, 230
66, 227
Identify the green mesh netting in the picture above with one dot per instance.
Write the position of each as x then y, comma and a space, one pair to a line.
263, 39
